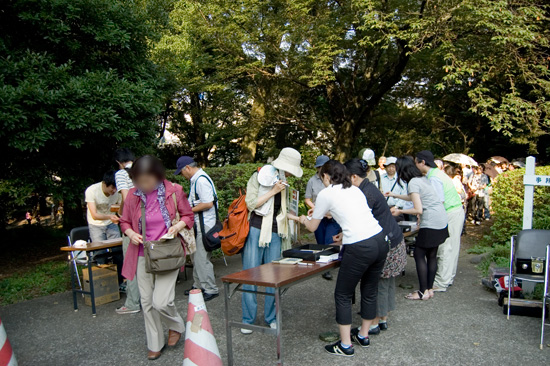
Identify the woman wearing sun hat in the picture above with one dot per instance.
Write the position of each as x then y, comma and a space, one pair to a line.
269, 229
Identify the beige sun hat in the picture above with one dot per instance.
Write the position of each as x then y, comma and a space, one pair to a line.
289, 161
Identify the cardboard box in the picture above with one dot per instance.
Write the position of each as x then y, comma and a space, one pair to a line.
105, 284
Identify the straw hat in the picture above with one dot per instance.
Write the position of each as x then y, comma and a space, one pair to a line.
289, 161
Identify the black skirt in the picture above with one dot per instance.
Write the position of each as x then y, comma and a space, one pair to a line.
431, 238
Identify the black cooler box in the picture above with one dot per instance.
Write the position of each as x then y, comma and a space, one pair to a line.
311, 252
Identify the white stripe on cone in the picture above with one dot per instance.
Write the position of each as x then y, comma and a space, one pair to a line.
3, 340
201, 339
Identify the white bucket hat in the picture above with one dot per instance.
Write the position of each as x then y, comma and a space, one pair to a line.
368, 156
390, 160
289, 161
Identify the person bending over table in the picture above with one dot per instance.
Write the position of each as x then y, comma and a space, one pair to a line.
364, 252
433, 224
157, 291
269, 230
397, 256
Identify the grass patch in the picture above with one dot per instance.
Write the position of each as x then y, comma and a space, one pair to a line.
497, 254
43, 279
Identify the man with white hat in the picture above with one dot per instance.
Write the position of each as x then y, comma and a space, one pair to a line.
269, 229
373, 175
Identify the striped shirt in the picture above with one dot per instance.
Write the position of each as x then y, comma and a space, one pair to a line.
123, 181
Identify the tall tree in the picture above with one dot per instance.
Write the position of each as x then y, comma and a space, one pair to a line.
353, 53
76, 82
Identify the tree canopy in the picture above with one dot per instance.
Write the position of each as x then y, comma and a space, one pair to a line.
76, 82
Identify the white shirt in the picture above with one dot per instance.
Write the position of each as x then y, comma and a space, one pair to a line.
103, 203
387, 185
205, 192
349, 208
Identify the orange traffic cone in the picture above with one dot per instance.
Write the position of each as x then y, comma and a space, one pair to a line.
201, 348
7, 358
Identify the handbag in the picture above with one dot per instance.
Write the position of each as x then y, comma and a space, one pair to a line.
161, 256
211, 239
187, 234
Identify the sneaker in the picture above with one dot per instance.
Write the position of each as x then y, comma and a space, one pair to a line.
383, 326
439, 289
246, 331
374, 330
365, 342
338, 350
327, 276
124, 310
273, 325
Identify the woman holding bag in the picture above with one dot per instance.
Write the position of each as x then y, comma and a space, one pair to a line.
154, 195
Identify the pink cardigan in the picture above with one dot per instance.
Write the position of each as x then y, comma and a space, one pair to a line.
132, 214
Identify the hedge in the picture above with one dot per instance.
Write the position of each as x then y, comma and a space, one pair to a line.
507, 205
230, 178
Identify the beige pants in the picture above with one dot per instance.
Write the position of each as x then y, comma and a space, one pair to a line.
157, 301
449, 251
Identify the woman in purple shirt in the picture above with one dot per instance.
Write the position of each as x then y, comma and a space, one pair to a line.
157, 291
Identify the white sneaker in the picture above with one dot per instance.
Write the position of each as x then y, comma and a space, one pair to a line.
273, 325
246, 331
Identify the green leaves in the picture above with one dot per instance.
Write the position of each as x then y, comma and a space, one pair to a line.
76, 82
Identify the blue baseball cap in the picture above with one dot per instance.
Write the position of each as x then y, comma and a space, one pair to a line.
321, 160
182, 163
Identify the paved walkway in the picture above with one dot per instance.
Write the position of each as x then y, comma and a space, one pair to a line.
462, 327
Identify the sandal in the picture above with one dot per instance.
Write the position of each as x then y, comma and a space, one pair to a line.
418, 295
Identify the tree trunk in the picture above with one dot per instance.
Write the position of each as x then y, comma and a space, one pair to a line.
343, 143
249, 143
201, 152
73, 214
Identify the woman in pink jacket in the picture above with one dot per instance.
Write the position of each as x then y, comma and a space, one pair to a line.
157, 291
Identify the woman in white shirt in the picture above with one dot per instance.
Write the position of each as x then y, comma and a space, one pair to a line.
363, 253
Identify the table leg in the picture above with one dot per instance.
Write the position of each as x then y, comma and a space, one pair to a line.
92, 293
279, 322
229, 337
73, 269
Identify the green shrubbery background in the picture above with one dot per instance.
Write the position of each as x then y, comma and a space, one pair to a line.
230, 178
507, 207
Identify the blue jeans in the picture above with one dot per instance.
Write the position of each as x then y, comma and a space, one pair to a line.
326, 230
254, 256
100, 233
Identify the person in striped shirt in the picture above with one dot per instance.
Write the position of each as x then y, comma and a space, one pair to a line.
124, 158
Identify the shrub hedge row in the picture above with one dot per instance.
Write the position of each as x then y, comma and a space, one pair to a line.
507, 204
232, 178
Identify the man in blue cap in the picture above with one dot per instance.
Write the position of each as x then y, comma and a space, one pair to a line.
328, 226
202, 197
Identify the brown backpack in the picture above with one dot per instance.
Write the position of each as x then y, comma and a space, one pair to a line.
235, 227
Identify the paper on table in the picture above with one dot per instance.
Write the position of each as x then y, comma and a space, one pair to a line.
328, 258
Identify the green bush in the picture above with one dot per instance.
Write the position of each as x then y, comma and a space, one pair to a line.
230, 178
507, 204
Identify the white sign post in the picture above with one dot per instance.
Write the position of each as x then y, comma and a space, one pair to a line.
530, 180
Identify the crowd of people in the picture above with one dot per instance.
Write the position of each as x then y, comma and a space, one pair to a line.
357, 204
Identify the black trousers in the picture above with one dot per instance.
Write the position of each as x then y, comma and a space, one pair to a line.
361, 262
